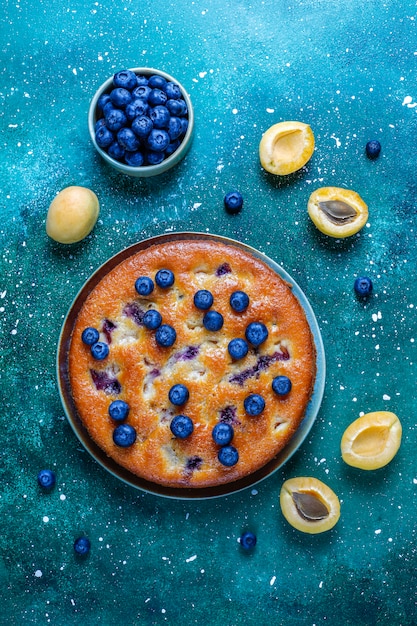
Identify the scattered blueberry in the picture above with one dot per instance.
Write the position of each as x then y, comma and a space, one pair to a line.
119, 410
238, 348
144, 285
248, 540
164, 278
126, 79
46, 479
165, 336
239, 301
178, 394
281, 385
82, 545
222, 433
213, 321
99, 350
363, 286
152, 319
203, 299
233, 202
90, 336
181, 426
127, 138
256, 333
254, 404
372, 149
228, 456
120, 97
124, 435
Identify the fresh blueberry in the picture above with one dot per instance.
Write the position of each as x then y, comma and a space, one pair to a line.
174, 127
363, 286
115, 120
136, 108
165, 336
127, 138
281, 385
203, 299
119, 410
134, 159
248, 540
160, 116
178, 394
233, 202
176, 107
99, 350
158, 140
82, 545
90, 336
46, 479
373, 148
222, 433
142, 92
156, 81
104, 137
152, 319
154, 158
239, 301
172, 90
238, 348
181, 426
101, 122
120, 97
184, 125
256, 333
116, 151
254, 404
124, 435
228, 456
213, 321
170, 149
103, 100
164, 278
144, 285
142, 126
141, 80
126, 79
157, 96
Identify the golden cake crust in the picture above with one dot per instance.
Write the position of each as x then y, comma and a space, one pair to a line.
140, 372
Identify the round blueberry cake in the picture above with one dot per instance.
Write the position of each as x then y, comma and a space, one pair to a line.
191, 363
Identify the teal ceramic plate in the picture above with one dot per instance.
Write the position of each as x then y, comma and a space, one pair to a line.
120, 472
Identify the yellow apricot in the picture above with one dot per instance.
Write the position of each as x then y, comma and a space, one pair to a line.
337, 212
372, 440
72, 214
309, 505
286, 147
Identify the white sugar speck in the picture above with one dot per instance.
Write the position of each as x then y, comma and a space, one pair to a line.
38, 573
270, 110
62, 497
378, 531
45, 519
191, 558
272, 581
234, 111
386, 397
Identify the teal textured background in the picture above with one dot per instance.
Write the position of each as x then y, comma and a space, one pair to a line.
349, 70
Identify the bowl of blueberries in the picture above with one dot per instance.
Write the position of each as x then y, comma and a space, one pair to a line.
141, 121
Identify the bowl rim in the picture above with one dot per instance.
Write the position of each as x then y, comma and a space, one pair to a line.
147, 170
185, 493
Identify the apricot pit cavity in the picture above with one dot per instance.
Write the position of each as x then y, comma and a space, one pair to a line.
372, 440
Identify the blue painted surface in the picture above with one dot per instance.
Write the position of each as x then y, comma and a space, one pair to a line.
348, 71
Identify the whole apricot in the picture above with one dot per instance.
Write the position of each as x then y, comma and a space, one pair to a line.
72, 214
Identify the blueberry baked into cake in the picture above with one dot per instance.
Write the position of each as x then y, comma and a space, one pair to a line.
192, 363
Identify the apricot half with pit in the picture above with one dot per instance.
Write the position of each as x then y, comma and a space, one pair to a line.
286, 147
337, 212
372, 440
72, 214
309, 505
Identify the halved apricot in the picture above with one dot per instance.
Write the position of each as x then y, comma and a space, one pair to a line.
286, 147
372, 441
337, 212
309, 505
